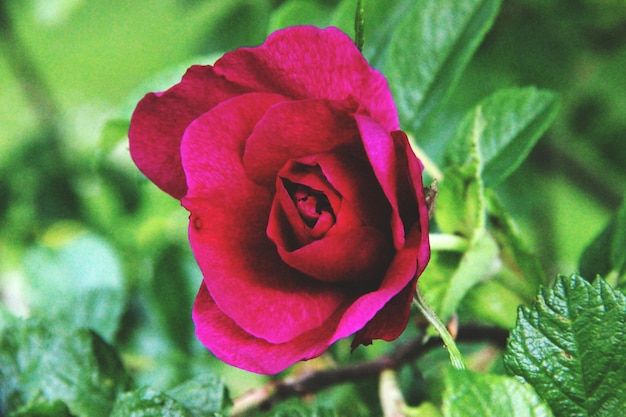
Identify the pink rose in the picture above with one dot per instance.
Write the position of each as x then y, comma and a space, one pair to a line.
308, 217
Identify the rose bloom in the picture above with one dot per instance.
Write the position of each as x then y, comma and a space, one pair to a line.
307, 211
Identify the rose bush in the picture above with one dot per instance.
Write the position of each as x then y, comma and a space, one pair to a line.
307, 211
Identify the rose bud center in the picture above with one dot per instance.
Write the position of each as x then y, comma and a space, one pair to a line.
313, 207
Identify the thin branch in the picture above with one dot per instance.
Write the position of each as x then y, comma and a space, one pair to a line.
276, 391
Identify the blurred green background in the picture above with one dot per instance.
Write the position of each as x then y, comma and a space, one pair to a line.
78, 220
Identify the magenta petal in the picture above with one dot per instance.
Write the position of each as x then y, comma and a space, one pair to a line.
158, 123
294, 129
233, 345
229, 213
358, 255
402, 271
307, 62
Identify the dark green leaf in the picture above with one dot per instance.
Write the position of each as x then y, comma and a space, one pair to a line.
430, 49
515, 120
486, 395
606, 255
147, 402
202, 395
77, 280
47, 363
570, 347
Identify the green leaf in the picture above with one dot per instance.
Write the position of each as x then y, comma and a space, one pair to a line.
491, 302
172, 297
76, 278
42, 408
606, 255
570, 347
474, 394
430, 49
42, 363
461, 201
447, 279
303, 411
202, 395
381, 17
300, 12
526, 271
515, 120
147, 402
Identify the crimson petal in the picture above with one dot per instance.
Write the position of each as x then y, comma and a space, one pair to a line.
229, 213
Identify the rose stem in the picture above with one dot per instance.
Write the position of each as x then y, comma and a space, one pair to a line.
455, 355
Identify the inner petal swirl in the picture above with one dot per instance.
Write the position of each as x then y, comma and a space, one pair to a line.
313, 206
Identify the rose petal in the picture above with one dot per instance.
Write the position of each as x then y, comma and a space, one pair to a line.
359, 255
294, 129
158, 123
242, 270
389, 323
233, 345
401, 272
307, 62
388, 157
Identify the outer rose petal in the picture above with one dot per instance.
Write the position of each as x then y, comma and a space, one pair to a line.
158, 123
234, 346
308, 62
229, 213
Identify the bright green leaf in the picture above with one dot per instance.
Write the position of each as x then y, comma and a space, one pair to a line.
430, 49
76, 278
202, 395
570, 347
486, 395
515, 120
147, 402
46, 363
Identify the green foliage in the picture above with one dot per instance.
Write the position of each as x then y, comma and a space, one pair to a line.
606, 255
47, 367
147, 402
429, 50
77, 279
476, 394
570, 347
204, 396
514, 121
